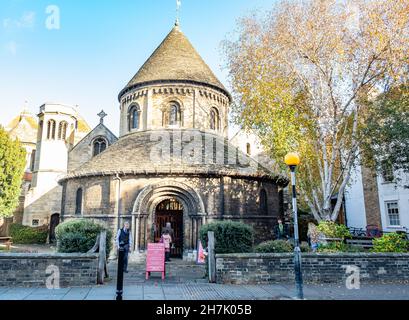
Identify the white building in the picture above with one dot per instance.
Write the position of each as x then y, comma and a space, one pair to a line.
381, 200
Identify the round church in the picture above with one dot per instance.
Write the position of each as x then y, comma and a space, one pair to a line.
172, 161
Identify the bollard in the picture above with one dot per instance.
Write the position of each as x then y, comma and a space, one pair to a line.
120, 274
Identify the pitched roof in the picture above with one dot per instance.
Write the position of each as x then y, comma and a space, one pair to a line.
175, 60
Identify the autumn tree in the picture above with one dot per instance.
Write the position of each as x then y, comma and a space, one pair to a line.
12, 164
298, 74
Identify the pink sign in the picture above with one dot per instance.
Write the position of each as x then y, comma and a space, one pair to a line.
200, 254
155, 259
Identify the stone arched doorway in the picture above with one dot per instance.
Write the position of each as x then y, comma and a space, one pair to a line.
144, 215
170, 211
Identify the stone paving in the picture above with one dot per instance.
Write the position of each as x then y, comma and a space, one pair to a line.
199, 291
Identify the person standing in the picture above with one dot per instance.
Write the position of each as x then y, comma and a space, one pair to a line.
313, 235
124, 239
169, 228
280, 230
166, 239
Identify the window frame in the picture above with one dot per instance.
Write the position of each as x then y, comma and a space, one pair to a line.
263, 199
131, 117
94, 141
62, 130
388, 216
215, 121
51, 129
79, 203
388, 174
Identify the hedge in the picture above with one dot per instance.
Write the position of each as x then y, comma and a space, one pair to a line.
230, 237
28, 235
79, 236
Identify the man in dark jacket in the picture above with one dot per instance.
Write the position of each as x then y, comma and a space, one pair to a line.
280, 230
124, 239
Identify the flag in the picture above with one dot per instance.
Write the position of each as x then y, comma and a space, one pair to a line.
178, 3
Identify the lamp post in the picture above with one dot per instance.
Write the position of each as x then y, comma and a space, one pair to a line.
120, 274
293, 160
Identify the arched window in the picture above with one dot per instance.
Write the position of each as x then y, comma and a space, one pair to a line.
248, 149
62, 130
134, 117
214, 119
78, 202
175, 115
263, 202
51, 129
99, 145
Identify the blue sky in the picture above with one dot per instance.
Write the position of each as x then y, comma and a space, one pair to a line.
99, 46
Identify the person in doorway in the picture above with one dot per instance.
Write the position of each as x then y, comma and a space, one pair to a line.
168, 228
124, 239
166, 239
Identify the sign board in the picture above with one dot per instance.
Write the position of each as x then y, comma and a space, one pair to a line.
201, 256
155, 259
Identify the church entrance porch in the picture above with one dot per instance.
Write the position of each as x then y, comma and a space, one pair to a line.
170, 211
167, 201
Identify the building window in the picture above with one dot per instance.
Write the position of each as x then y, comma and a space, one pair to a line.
248, 149
32, 160
392, 209
62, 130
78, 202
263, 202
214, 119
134, 117
40, 130
35, 222
99, 145
51, 130
175, 115
387, 173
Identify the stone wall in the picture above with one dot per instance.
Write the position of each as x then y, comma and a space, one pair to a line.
317, 268
30, 270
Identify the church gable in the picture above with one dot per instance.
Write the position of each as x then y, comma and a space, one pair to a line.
97, 141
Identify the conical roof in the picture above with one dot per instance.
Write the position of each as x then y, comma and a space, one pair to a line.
175, 60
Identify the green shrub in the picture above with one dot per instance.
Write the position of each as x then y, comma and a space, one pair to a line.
230, 237
79, 236
391, 242
337, 246
274, 246
28, 235
305, 247
333, 230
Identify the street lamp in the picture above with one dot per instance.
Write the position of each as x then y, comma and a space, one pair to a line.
293, 160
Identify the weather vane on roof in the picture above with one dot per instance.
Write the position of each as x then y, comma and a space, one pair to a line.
178, 5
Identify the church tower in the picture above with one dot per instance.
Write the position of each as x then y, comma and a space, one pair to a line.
174, 89
59, 129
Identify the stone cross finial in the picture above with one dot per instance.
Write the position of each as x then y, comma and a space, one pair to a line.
102, 115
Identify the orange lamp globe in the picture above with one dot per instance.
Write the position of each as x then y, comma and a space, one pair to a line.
292, 159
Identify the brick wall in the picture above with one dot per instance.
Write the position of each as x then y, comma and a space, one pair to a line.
317, 268
30, 270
